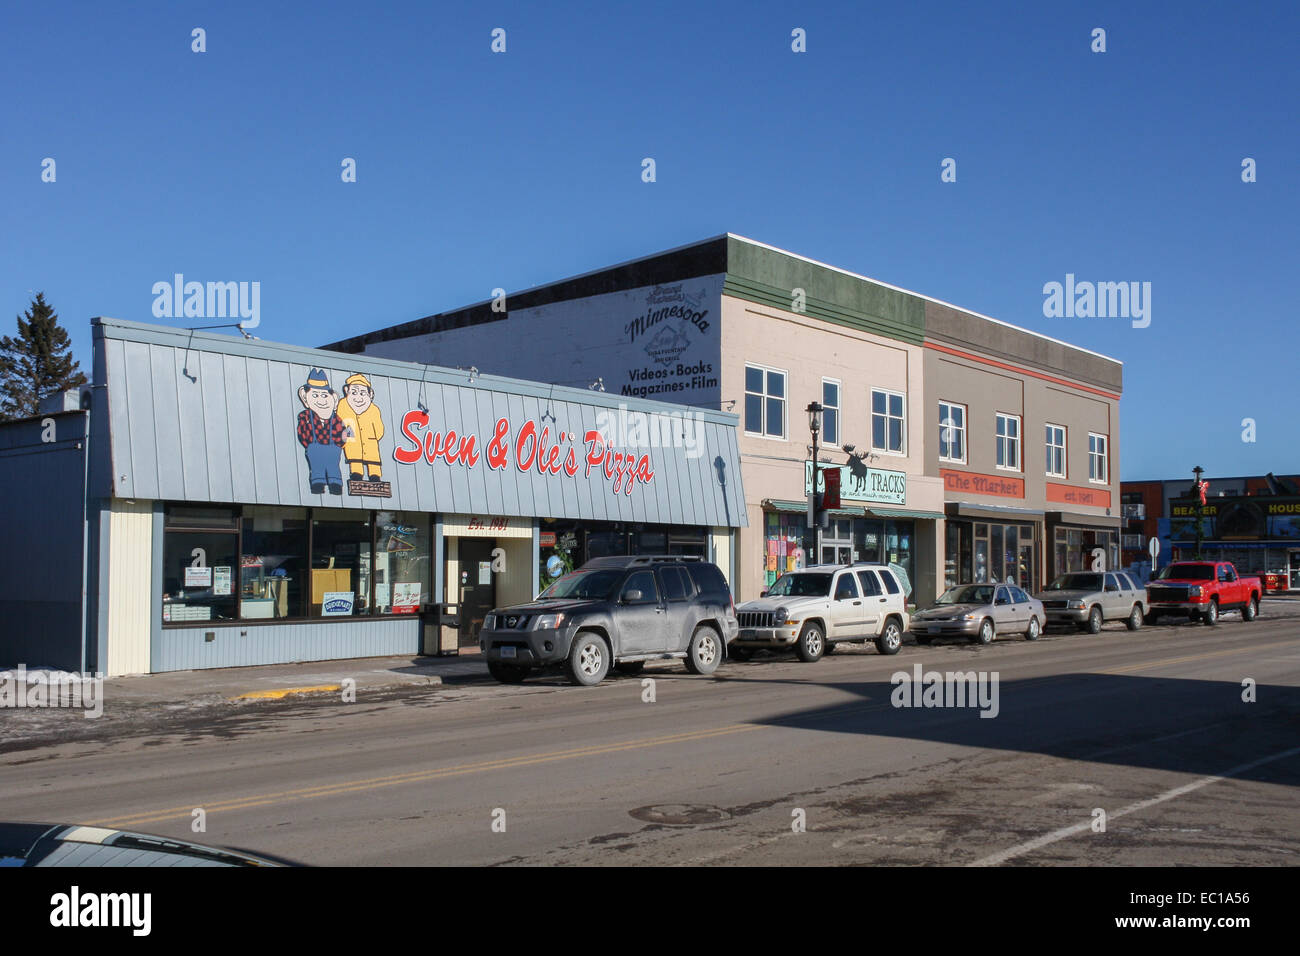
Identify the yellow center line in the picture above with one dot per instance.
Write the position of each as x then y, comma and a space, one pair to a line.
417, 776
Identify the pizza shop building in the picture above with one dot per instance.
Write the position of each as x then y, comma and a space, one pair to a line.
212, 501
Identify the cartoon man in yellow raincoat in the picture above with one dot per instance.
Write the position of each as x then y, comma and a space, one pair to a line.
359, 411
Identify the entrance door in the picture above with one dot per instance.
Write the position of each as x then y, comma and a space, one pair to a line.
477, 586
1295, 571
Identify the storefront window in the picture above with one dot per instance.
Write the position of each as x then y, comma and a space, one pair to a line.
340, 564
200, 570
783, 544
1074, 549
273, 565
403, 565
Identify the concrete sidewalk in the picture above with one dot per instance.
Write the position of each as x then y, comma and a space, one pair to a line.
276, 681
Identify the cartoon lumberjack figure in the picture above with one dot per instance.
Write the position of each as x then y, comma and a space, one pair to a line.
360, 413
321, 433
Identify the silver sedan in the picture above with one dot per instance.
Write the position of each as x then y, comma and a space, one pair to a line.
980, 613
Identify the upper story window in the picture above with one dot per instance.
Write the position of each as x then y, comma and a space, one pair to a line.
1098, 460
831, 411
952, 432
1055, 451
888, 421
764, 401
1008, 438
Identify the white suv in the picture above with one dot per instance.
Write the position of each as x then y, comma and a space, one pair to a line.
815, 608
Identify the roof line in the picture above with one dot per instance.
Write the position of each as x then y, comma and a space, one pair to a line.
920, 295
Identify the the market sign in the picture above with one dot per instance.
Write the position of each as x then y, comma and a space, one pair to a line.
860, 483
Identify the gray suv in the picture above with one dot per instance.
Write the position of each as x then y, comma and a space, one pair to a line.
616, 612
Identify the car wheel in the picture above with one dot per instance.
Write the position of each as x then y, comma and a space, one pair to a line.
812, 643
1094, 620
630, 667
1135, 618
1211, 615
890, 639
741, 654
1251, 610
986, 633
507, 673
588, 659
705, 652
1034, 629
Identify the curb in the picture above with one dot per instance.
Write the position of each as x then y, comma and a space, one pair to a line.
279, 693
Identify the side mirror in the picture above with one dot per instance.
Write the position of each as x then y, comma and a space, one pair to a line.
631, 597
762, 594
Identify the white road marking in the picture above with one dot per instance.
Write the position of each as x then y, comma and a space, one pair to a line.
1058, 835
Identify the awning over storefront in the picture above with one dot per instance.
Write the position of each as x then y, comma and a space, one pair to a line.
963, 509
878, 512
1087, 521
801, 507
851, 511
198, 416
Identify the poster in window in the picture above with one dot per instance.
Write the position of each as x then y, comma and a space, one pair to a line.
338, 603
406, 597
221, 581
198, 577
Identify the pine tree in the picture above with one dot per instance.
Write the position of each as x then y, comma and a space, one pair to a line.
37, 363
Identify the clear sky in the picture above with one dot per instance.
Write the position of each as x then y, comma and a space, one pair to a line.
477, 170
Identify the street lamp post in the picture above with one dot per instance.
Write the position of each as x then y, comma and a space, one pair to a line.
1200, 510
814, 411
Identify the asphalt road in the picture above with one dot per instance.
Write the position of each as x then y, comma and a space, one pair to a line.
1150, 728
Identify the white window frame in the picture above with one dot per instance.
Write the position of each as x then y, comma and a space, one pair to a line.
838, 407
887, 392
1019, 440
1065, 450
785, 403
965, 419
1103, 457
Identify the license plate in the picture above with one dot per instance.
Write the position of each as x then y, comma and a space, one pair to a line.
508, 651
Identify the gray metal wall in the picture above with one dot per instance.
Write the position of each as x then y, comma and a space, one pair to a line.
41, 562
205, 417
187, 648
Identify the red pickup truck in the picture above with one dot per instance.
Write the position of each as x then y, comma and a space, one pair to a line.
1201, 591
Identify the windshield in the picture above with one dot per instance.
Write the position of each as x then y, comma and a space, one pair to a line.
801, 585
968, 594
1186, 572
1076, 582
584, 584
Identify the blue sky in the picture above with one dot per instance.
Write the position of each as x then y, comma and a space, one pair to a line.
477, 170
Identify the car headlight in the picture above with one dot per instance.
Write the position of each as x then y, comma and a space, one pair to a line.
1194, 590
780, 616
1076, 605
490, 622
969, 616
545, 621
